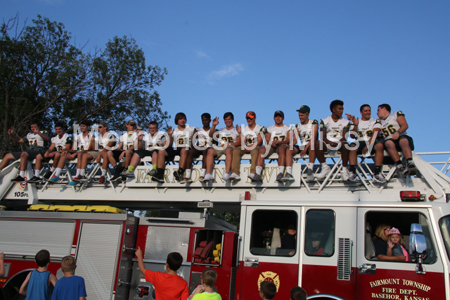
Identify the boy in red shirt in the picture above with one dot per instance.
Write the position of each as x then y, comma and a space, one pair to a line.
168, 286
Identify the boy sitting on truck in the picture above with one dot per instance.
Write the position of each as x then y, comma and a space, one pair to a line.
267, 290
38, 282
70, 287
167, 285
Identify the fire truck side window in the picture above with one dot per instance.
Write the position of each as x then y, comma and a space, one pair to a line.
402, 221
444, 223
320, 232
274, 232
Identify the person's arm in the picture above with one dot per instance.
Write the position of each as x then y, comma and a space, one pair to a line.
185, 293
141, 261
296, 136
52, 279
212, 130
403, 127
2, 265
391, 258
23, 287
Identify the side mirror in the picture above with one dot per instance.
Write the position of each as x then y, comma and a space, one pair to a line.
417, 242
417, 247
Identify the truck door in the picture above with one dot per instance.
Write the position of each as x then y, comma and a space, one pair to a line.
270, 250
383, 279
328, 257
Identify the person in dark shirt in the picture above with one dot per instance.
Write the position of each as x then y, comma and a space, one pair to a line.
381, 245
289, 239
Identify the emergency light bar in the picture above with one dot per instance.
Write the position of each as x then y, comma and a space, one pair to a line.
411, 196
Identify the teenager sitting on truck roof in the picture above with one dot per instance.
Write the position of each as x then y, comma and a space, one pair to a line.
228, 138
202, 142
306, 133
103, 142
369, 141
396, 139
60, 143
35, 141
128, 143
181, 136
148, 145
277, 139
167, 285
81, 144
380, 243
334, 131
251, 141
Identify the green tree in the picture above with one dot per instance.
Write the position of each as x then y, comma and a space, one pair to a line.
44, 77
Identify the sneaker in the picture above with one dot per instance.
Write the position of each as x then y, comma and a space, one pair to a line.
309, 175
352, 176
345, 175
157, 179
152, 172
186, 180
116, 177
18, 179
73, 183
79, 178
402, 170
226, 176
201, 179
48, 174
288, 177
34, 179
131, 174
251, 175
257, 178
279, 177
177, 175
379, 178
207, 178
235, 177
54, 179
102, 180
323, 173
412, 168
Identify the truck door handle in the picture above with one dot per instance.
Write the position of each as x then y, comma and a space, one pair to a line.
368, 269
251, 262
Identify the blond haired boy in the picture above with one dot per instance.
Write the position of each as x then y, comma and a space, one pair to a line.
69, 287
206, 291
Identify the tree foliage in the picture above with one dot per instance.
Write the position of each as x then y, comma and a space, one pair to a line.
44, 77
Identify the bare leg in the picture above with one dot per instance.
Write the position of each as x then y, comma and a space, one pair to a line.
228, 159
6, 159
210, 160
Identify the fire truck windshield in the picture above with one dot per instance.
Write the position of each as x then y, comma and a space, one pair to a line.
445, 230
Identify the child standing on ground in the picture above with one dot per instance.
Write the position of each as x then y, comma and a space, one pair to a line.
168, 286
70, 287
38, 282
206, 290
396, 246
297, 293
267, 290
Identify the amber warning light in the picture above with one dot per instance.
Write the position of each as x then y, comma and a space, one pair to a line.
411, 196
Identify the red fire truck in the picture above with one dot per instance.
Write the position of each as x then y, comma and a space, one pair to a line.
331, 253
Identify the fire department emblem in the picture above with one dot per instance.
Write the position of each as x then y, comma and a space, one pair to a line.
269, 276
22, 185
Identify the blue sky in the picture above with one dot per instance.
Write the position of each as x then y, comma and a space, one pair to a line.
269, 55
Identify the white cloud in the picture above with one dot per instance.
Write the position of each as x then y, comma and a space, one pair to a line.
202, 54
226, 71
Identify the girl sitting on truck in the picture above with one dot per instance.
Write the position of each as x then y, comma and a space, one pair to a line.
396, 245
380, 243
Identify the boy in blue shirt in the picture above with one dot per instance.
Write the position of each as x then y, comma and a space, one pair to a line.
69, 287
37, 285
